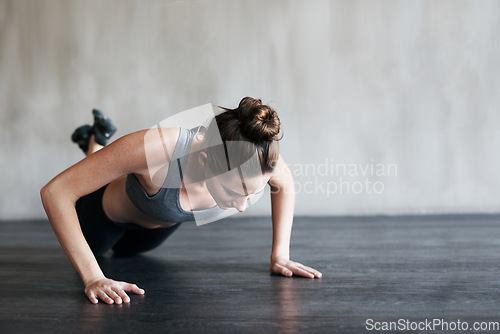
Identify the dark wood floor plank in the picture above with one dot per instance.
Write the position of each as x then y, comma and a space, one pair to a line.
214, 278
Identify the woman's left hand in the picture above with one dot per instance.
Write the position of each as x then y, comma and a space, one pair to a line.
288, 268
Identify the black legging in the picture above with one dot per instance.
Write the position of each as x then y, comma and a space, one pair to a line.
103, 234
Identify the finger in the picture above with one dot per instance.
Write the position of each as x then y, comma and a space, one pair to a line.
133, 288
123, 295
311, 270
283, 270
302, 272
92, 297
104, 297
318, 274
300, 265
111, 293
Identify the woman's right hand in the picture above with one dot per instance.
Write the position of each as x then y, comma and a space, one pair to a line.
110, 291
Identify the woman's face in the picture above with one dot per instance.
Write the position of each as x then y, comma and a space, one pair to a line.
230, 190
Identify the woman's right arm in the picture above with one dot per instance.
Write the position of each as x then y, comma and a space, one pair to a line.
123, 156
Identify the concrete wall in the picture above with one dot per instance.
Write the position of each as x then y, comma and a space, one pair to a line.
387, 107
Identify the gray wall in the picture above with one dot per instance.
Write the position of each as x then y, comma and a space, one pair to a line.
409, 89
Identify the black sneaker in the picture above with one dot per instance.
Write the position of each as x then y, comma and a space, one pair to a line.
81, 136
103, 128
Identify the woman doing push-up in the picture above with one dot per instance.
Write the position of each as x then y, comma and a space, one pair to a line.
130, 195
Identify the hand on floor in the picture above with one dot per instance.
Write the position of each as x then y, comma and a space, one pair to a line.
110, 291
288, 268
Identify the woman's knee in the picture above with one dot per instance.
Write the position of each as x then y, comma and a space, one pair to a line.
135, 242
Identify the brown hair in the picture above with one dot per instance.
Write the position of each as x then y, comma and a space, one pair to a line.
251, 128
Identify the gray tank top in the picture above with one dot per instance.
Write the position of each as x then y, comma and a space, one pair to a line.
165, 205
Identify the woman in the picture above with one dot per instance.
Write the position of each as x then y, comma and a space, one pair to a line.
132, 194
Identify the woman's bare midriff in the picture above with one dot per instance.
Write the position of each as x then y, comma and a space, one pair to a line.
118, 207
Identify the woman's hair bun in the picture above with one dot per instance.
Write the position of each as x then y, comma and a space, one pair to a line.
251, 128
258, 122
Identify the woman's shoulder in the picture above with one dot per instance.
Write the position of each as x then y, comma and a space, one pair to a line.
151, 150
157, 144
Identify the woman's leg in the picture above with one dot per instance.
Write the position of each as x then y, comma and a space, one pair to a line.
93, 138
93, 146
99, 231
138, 241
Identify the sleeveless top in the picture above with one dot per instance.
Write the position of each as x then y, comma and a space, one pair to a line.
165, 205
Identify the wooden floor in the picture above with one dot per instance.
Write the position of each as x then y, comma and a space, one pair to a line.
214, 278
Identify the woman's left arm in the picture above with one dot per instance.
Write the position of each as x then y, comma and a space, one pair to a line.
283, 204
